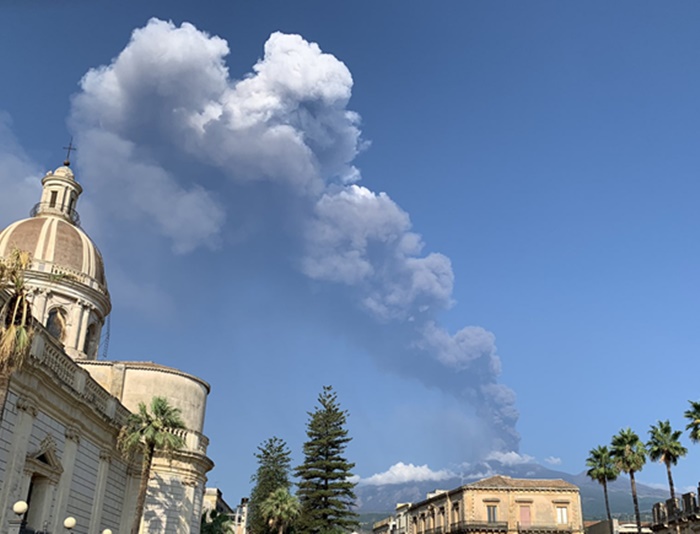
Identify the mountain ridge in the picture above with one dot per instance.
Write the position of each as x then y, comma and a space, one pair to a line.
382, 498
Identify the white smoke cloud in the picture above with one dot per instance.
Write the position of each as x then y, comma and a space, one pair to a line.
19, 176
553, 460
401, 473
510, 458
168, 98
363, 239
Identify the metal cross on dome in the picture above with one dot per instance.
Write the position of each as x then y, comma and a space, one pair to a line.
70, 148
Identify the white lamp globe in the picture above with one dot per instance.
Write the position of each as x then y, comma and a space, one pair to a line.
20, 507
107, 531
69, 522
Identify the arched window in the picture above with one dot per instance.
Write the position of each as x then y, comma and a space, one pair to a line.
56, 323
90, 345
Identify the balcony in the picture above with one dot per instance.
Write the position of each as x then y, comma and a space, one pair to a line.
538, 528
46, 207
479, 526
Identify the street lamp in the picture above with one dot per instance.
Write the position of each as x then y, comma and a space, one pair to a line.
20, 508
69, 523
107, 531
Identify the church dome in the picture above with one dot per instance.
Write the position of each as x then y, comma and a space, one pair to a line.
66, 276
57, 247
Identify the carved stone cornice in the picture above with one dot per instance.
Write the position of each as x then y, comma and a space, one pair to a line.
106, 455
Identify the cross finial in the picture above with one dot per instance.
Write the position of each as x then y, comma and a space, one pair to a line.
70, 148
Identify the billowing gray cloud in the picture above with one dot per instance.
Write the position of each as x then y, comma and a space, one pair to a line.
168, 98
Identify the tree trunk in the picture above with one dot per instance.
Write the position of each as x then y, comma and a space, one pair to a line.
670, 482
636, 503
607, 506
143, 489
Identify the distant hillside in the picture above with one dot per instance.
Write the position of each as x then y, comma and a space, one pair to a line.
383, 499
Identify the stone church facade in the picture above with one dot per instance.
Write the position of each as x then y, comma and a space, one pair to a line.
64, 408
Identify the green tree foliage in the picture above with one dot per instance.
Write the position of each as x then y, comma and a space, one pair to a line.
147, 432
274, 466
325, 491
602, 469
16, 329
693, 415
280, 509
664, 445
214, 522
629, 455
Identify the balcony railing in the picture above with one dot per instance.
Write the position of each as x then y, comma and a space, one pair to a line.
194, 441
46, 207
479, 526
534, 528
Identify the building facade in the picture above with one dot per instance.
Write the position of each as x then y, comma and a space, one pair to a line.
64, 408
498, 504
677, 516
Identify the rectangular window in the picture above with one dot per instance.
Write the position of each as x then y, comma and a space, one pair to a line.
491, 512
525, 515
52, 201
562, 515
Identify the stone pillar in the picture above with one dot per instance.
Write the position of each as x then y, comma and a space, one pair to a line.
39, 300
100, 486
131, 490
85, 310
14, 473
70, 452
190, 523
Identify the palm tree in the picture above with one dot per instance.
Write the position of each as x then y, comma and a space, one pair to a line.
146, 432
603, 470
629, 455
280, 509
694, 416
15, 319
214, 522
664, 446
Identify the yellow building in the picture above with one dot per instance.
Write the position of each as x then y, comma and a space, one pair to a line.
498, 504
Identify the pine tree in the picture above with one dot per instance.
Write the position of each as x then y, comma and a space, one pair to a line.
274, 466
325, 491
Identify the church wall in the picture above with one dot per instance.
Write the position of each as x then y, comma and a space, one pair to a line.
84, 482
44, 425
42, 408
114, 494
6, 430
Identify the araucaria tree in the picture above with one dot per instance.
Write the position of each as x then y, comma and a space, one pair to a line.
147, 432
326, 493
274, 466
629, 455
664, 445
602, 469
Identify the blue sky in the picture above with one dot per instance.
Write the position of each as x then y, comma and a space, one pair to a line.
395, 198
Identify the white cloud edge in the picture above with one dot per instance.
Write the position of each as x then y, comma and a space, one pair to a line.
400, 473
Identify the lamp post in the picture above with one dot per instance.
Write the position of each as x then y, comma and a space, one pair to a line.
19, 508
